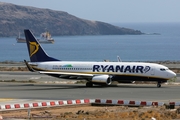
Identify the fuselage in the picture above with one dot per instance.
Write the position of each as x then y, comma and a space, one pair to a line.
117, 69
94, 72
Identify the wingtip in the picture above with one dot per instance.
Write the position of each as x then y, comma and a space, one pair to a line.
28, 66
25, 30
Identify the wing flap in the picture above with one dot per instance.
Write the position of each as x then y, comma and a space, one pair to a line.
67, 73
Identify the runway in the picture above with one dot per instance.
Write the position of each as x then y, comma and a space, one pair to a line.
75, 91
58, 91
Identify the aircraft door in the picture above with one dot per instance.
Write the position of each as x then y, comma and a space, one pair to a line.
152, 71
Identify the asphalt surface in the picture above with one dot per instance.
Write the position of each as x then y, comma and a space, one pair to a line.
71, 91
50, 88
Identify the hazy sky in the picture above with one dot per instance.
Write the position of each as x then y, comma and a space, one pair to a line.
112, 11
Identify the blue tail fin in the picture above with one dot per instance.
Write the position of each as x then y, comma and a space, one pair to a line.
36, 52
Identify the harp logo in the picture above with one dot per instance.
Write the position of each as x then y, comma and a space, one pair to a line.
34, 47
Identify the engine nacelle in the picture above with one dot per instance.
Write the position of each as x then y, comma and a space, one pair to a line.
102, 79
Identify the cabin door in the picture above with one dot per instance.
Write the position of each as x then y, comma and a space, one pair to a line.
152, 71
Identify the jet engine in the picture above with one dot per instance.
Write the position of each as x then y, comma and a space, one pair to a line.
101, 79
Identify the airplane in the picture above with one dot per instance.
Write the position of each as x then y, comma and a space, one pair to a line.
96, 73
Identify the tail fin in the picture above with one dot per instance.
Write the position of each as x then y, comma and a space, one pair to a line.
36, 52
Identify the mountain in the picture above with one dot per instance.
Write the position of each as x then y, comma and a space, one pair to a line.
16, 18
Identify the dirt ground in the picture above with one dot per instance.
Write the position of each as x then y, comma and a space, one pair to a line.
87, 112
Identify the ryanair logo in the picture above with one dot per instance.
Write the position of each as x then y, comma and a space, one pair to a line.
122, 68
34, 47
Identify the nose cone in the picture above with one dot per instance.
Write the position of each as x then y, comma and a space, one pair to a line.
171, 74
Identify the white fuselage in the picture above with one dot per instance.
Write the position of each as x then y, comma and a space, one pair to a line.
109, 68
94, 72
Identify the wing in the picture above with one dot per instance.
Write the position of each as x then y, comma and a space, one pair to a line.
69, 75
29, 66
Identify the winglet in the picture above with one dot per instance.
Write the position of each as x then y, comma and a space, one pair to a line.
28, 66
119, 59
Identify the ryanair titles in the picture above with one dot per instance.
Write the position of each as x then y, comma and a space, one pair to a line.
122, 68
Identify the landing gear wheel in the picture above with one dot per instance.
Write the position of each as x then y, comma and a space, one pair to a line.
89, 84
158, 85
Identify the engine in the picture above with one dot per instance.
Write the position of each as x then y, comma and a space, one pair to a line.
101, 79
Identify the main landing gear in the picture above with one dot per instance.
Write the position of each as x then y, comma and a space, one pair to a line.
159, 84
89, 84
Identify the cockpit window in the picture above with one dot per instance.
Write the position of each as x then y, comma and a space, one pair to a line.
162, 69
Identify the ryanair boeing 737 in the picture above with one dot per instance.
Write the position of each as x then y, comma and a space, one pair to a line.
100, 73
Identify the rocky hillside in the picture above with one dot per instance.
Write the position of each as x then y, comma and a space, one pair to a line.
15, 18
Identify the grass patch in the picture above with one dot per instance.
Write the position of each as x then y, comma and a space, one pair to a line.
22, 81
80, 82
